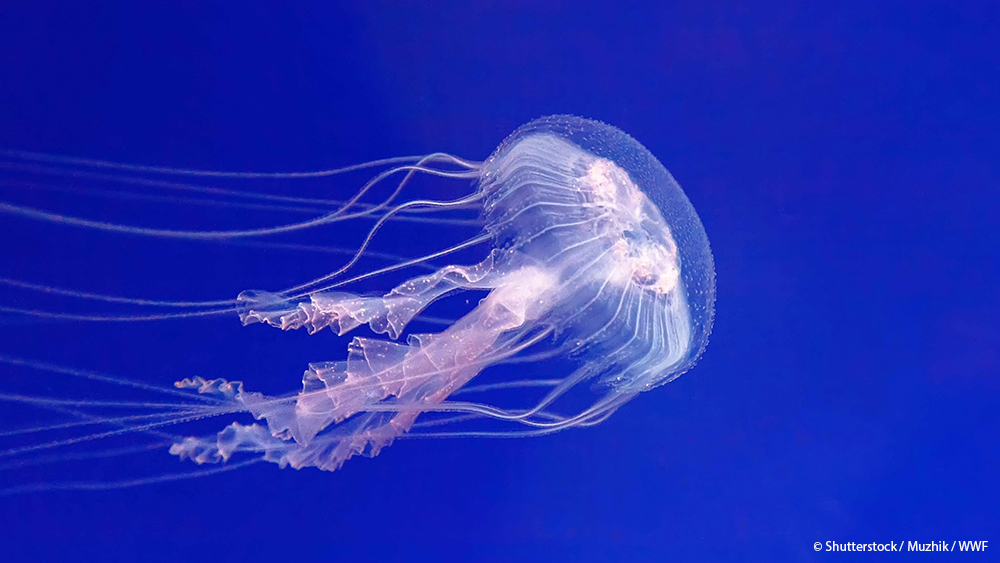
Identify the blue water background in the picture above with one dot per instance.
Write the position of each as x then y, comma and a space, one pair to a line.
842, 158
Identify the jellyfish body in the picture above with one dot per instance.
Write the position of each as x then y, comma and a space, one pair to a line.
596, 252
596, 261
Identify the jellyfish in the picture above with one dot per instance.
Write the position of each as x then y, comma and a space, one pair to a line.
593, 261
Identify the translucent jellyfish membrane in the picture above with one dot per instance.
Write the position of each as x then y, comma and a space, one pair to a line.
598, 256
598, 284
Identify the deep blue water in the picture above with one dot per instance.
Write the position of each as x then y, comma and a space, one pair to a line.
844, 163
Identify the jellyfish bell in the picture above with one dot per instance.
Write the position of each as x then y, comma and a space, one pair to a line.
632, 217
596, 261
